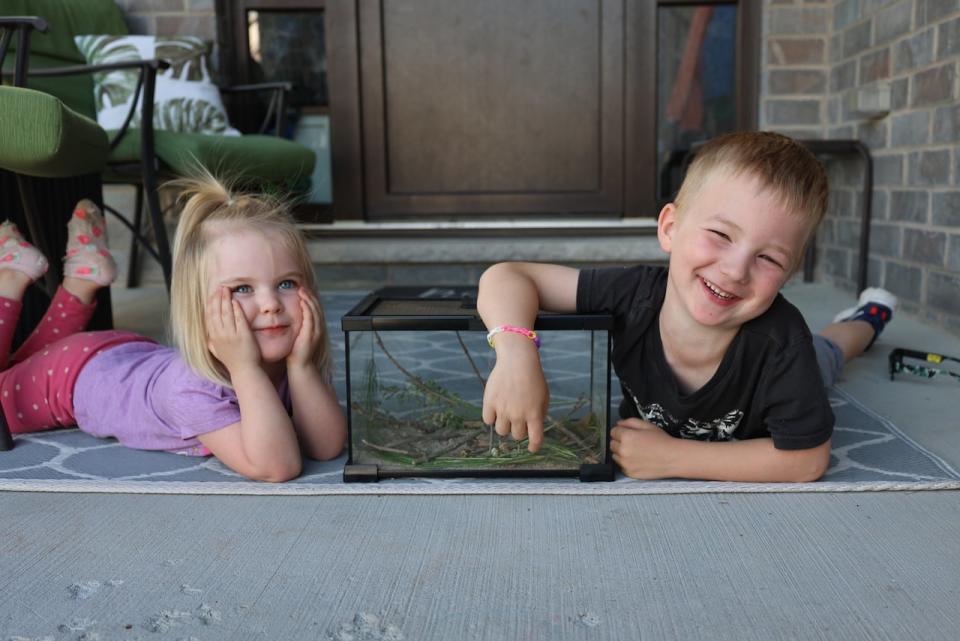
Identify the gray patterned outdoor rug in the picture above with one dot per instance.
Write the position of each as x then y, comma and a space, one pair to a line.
869, 454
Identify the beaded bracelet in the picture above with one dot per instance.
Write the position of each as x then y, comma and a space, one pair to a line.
523, 331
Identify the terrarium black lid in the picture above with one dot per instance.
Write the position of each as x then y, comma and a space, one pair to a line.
423, 308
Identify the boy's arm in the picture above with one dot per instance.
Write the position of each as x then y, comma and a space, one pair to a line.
511, 293
515, 397
644, 451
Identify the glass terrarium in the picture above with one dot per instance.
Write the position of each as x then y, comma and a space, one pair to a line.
417, 360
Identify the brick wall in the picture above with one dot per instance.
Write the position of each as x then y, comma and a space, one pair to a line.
171, 17
815, 55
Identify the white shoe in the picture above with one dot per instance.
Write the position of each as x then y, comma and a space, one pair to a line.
867, 296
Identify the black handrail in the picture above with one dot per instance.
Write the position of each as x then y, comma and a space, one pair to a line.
846, 147
278, 101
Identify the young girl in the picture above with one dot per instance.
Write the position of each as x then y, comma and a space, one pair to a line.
249, 380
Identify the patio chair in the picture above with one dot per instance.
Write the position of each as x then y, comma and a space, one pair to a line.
143, 156
53, 156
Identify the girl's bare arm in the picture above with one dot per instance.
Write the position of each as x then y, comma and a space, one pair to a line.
317, 417
263, 445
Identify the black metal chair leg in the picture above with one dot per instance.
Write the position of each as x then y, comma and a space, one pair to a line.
148, 163
159, 228
133, 266
38, 235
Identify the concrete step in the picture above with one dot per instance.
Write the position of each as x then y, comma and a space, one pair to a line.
363, 255
352, 255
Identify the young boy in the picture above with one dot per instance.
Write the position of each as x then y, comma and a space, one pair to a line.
719, 372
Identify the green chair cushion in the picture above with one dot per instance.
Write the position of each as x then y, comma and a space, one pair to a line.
40, 136
75, 91
263, 158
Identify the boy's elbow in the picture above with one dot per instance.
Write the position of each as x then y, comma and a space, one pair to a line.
495, 274
818, 469
493, 270
809, 474
811, 464
491, 274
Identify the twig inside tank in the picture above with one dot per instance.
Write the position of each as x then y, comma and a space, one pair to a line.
389, 419
580, 402
416, 380
449, 448
466, 352
384, 448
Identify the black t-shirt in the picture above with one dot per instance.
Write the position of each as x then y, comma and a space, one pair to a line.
767, 385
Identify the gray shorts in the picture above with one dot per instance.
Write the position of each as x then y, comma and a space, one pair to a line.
829, 358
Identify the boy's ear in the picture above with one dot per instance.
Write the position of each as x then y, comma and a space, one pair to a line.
666, 224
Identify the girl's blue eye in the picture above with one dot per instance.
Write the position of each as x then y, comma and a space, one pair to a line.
242, 289
288, 284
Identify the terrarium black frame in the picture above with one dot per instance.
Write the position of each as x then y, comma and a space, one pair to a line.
404, 421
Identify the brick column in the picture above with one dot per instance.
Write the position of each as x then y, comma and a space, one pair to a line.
815, 56
795, 67
171, 17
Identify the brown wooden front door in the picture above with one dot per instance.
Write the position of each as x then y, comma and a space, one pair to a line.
496, 107
491, 109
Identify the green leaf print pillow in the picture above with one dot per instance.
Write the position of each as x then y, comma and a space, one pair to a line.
185, 101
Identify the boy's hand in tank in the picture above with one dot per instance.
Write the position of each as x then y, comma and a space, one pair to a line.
228, 333
311, 331
515, 398
641, 449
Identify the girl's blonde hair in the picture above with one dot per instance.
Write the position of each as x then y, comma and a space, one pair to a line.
781, 164
209, 201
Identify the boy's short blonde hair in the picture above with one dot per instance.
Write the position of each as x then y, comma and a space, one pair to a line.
781, 164
210, 202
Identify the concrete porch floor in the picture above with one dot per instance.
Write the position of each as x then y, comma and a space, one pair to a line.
721, 566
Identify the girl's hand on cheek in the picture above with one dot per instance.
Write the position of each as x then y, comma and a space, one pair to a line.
311, 331
228, 334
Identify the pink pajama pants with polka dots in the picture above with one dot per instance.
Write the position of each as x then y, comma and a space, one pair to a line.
36, 386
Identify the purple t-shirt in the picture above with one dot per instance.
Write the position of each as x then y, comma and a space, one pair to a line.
148, 398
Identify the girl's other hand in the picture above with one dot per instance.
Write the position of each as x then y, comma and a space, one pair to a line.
310, 336
228, 334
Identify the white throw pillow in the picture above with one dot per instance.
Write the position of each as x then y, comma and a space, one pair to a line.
185, 99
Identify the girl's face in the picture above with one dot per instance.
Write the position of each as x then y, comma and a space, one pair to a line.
264, 277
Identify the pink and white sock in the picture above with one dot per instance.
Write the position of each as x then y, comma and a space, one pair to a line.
19, 255
87, 255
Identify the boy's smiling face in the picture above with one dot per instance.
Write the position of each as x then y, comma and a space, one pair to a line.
731, 250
